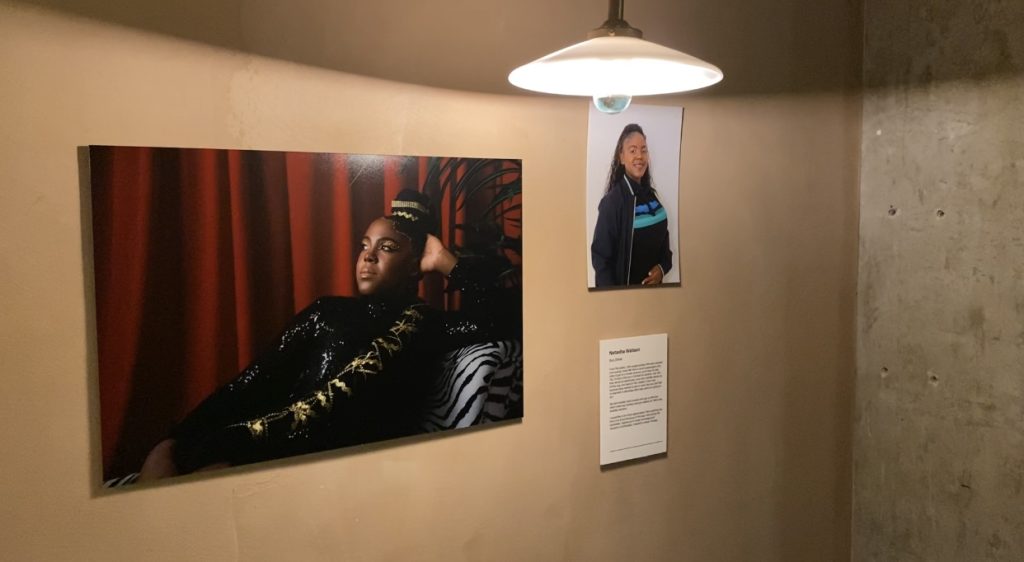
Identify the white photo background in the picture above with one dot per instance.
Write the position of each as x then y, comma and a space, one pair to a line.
663, 127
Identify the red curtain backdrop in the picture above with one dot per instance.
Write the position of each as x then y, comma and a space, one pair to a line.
202, 257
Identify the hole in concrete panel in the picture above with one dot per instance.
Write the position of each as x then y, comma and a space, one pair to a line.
940, 213
933, 379
884, 372
893, 211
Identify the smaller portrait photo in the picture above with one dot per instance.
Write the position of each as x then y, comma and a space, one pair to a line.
633, 197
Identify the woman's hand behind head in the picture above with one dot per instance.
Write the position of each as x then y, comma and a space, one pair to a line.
436, 257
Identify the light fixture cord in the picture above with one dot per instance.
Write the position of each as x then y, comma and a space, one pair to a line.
616, 25
616, 10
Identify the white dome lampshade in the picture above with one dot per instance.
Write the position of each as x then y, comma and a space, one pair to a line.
614, 65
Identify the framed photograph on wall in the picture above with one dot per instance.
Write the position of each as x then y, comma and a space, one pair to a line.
254, 305
633, 197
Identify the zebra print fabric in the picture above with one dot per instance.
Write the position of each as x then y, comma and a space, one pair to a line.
478, 384
121, 481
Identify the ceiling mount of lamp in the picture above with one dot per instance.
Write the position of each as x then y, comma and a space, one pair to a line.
615, 25
614, 64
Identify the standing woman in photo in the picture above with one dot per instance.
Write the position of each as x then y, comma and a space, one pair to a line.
631, 245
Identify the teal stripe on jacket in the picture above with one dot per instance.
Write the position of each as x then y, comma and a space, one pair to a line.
643, 221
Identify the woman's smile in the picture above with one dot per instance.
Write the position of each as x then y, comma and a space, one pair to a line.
637, 168
634, 156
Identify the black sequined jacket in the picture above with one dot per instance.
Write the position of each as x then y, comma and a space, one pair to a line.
345, 371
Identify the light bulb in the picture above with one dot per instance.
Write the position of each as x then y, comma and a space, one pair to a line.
612, 104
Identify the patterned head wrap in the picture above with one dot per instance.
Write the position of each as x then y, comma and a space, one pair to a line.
411, 215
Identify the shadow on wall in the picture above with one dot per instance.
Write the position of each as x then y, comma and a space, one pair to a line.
925, 51
764, 47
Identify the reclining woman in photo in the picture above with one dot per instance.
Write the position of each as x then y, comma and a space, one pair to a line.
348, 370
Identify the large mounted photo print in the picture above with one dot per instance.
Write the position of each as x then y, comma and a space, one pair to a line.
255, 305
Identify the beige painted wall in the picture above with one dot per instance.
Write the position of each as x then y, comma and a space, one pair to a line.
760, 333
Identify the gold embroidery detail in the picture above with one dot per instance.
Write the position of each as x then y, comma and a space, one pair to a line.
363, 364
256, 427
301, 411
368, 364
405, 215
403, 327
344, 387
388, 346
408, 205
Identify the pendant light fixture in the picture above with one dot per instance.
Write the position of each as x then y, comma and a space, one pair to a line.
613, 65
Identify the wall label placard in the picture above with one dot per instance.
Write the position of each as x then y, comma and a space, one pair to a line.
634, 397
